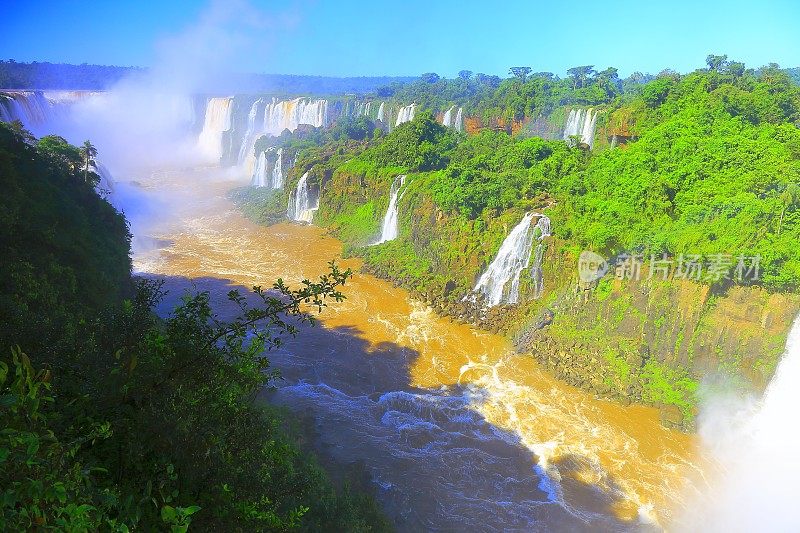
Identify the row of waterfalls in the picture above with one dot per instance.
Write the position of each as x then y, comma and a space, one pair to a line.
229, 137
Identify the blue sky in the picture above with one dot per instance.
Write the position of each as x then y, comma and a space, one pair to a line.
345, 37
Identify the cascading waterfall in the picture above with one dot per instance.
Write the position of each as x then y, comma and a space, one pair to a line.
381, 112
289, 114
405, 114
277, 116
500, 282
277, 170
29, 107
260, 171
106, 184
389, 230
447, 119
453, 118
581, 123
218, 121
301, 208
541, 230
249, 137
269, 171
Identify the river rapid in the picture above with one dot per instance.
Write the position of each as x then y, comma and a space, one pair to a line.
454, 430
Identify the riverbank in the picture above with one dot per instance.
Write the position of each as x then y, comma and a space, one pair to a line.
394, 385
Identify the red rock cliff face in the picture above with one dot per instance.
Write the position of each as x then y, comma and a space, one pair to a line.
474, 125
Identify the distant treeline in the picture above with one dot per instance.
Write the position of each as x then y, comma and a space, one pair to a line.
14, 75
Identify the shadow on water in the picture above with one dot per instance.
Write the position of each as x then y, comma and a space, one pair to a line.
434, 463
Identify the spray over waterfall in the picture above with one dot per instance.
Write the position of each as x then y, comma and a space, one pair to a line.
301, 207
389, 230
500, 282
755, 444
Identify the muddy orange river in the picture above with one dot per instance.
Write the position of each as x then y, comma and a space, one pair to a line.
455, 431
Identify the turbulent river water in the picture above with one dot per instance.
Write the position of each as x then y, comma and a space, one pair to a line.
455, 430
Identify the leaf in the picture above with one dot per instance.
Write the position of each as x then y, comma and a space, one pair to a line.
168, 514
188, 511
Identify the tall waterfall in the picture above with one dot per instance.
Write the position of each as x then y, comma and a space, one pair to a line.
249, 136
581, 123
453, 118
540, 231
389, 230
106, 184
301, 207
405, 114
500, 282
217, 122
381, 112
269, 169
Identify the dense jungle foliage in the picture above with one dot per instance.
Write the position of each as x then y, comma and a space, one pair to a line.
115, 420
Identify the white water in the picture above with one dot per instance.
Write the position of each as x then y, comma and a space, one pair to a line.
755, 444
268, 171
453, 118
249, 136
289, 114
217, 122
500, 282
301, 208
276, 116
29, 107
389, 230
405, 114
260, 172
381, 112
581, 123
537, 274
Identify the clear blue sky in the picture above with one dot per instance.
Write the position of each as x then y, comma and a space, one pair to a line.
347, 37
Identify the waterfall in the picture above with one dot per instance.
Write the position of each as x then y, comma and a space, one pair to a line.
405, 114
540, 231
106, 184
453, 118
277, 170
260, 171
389, 230
581, 123
447, 119
755, 446
217, 122
500, 282
269, 171
250, 135
289, 114
300, 208
29, 107
381, 112
277, 116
